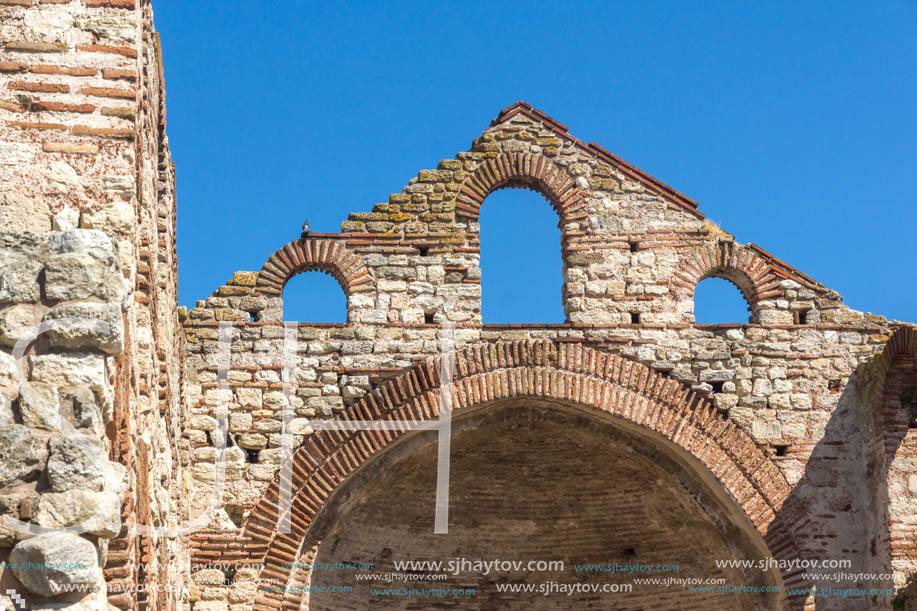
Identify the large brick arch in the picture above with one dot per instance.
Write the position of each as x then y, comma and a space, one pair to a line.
330, 256
521, 170
488, 372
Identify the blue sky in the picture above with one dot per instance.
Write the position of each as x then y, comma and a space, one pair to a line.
793, 124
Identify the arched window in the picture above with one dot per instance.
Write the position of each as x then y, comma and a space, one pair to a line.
521, 263
313, 296
717, 301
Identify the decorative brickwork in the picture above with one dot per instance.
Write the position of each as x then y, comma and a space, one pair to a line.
792, 436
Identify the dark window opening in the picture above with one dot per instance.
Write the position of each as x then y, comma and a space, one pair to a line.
521, 263
634, 246
314, 297
718, 301
428, 319
909, 403
800, 317
635, 318
717, 387
780, 449
251, 456
630, 554
423, 250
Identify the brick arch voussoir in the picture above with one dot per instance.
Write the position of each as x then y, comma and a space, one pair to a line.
521, 170
327, 255
753, 275
487, 372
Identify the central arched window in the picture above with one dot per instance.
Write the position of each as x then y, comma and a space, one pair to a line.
521, 263
718, 301
313, 296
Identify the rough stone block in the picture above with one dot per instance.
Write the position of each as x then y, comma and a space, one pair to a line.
99, 513
71, 467
95, 326
53, 550
19, 460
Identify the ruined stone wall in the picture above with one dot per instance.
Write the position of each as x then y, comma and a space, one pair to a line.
87, 213
633, 251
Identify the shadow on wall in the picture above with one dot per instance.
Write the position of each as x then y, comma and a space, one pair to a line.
835, 487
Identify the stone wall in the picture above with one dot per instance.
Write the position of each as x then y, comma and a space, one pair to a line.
633, 250
87, 213
800, 425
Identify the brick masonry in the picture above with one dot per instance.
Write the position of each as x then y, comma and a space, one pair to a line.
794, 433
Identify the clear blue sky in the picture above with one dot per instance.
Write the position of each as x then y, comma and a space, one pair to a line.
793, 124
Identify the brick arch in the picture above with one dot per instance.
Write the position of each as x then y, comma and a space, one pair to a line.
488, 372
525, 171
741, 265
306, 254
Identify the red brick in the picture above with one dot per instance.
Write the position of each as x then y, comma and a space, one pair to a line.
130, 75
48, 69
111, 3
108, 92
125, 51
39, 87
39, 126
85, 130
12, 67
27, 46
11, 106
59, 107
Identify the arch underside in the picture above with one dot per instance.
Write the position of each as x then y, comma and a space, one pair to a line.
572, 374
534, 479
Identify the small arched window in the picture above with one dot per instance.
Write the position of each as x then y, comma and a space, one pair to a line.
314, 296
521, 263
719, 301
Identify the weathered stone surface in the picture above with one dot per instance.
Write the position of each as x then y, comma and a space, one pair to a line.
112, 26
19, 281
7, 368
23, 213
80, 407
81, 276
45, 22
71, 369
98, 512
69, 467
115, 217
95, 326
18, 458
6, 410
55, 550
68, 218
62, 178
32, 409
14, 322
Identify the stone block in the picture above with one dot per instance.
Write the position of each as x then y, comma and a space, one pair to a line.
14, 322
95, 326
54, 550
70, 467
73, 276
19, 281
99, 513
19, 460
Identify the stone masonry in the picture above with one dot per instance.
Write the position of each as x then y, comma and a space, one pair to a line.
627, 431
